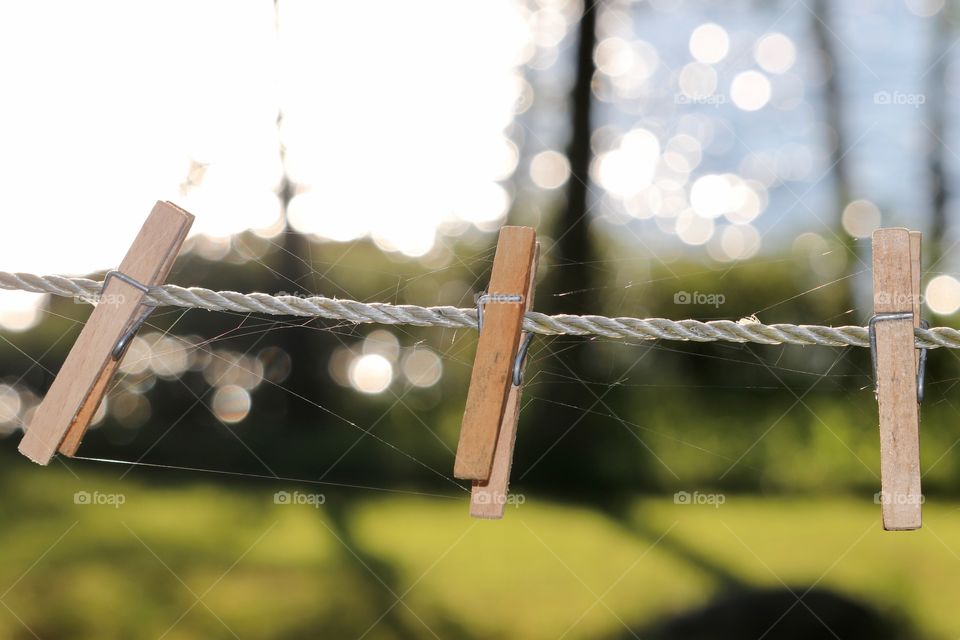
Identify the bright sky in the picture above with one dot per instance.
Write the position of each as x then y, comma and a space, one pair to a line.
394, 119
393, 125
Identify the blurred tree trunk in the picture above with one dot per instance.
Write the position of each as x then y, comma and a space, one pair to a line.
936, 99
572, 250
294, 267
569, 443
833, 107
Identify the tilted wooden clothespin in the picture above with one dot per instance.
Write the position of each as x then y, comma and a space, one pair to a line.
62, 418
898, 373
488, 431
488, 499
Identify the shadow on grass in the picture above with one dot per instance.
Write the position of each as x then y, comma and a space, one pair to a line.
742, 611
384, 592
777, 614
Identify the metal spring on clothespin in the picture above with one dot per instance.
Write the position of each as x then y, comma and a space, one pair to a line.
123, 343
482, 299
921, 367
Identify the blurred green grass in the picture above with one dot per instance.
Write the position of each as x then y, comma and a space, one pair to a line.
203, 560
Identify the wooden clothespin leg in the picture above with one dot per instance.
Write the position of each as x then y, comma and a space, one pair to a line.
502, 311
65, 412
488, 498
896, 257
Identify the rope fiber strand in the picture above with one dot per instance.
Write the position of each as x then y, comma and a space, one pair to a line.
356, 312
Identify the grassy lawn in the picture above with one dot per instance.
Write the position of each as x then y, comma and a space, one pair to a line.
185, 561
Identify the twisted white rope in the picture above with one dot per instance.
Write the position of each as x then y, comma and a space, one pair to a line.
454, 318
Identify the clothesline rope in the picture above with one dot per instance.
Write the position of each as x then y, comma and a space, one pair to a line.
356, 312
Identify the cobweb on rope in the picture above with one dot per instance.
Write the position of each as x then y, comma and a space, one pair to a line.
649, 334
745, 330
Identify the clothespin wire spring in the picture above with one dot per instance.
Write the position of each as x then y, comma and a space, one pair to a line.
921, 368
124, 342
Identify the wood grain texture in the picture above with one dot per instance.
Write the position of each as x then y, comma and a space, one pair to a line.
893, 286
65, 412
496, 349
489, 499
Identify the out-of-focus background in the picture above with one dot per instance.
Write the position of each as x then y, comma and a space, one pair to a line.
679, 158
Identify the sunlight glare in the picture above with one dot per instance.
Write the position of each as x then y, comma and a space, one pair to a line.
96, 136
419, 137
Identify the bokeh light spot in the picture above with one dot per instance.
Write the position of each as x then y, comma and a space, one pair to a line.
614, 56
10, 404
943, 295
21, 310
422, 367
775, 53
137, 358
860, 218
925, 8
383, 343
709, 43
693, 229
740, 242
697, 80
549, 169
371, 373
710, 195
628, 169
231, 403
750, 90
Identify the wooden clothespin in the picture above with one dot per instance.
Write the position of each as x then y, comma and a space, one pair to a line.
898, 372
62, 418
488, 498
489, 426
